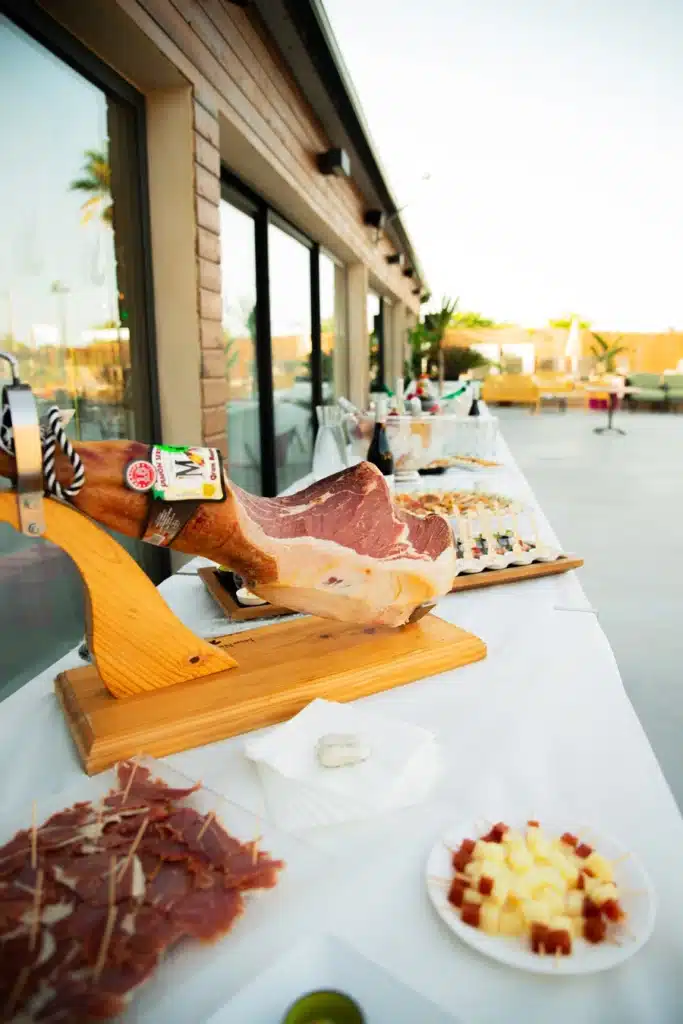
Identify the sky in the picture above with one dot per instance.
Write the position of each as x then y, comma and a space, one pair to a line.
552, 134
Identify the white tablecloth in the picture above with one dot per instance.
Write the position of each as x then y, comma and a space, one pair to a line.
542, 727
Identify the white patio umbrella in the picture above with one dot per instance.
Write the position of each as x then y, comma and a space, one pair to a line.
572, 348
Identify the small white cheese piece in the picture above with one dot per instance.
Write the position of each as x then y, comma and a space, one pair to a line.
337, 749
246, 597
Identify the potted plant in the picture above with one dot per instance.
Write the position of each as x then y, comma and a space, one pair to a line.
605, 353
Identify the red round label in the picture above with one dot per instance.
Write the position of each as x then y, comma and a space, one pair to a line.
140, 475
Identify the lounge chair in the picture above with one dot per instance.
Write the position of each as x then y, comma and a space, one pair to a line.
650, 390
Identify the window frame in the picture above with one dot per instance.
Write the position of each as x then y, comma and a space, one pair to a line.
43, 29
235, 191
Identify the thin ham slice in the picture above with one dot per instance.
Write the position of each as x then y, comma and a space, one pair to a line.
340, 548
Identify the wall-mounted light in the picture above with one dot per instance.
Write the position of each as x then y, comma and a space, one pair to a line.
375, 219
416, 291
396, 258
408, 271
334, 161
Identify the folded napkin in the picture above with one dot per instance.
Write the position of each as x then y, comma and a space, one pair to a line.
301, 793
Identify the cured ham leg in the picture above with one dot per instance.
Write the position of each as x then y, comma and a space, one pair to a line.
340, 548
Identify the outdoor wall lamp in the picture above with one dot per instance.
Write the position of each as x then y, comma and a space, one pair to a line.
416, 291
334, 161
408, 272
375, 219
396, 258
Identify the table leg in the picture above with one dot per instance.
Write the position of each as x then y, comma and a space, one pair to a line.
611, 407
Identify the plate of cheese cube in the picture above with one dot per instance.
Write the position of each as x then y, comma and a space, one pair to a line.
541, 898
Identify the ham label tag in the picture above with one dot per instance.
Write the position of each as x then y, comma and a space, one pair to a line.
187, 474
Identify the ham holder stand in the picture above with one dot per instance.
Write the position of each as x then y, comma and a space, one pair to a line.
153, 685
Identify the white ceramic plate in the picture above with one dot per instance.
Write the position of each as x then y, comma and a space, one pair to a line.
637, 898
324, 962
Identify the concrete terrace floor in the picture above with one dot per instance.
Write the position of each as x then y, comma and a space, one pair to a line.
618, 502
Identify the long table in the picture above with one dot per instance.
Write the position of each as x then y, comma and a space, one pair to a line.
541, 728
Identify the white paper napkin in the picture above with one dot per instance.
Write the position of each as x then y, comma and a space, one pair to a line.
301, 793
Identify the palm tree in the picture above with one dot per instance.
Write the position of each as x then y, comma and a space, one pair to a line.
96, 183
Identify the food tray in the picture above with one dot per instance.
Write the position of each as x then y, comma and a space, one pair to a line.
491, 577
223, 589
194, 978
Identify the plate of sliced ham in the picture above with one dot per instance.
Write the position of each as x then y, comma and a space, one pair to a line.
96, 891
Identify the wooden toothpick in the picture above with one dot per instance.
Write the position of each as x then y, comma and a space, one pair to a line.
111, 919
35, 921
209, 818
15, 994
129, 783
136, 842
34, 837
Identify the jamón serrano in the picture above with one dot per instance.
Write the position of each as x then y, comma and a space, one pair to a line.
90, 903
340, 548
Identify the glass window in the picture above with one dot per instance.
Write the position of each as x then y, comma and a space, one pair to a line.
290, 318
328, 327
70, 299
238, 268
376, 334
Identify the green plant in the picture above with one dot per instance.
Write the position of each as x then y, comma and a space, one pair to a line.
458, 359
471, 319
426, 339
96, 183
567, 320
605, 352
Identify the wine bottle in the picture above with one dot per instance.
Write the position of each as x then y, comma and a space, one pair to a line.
379, 452
474, 408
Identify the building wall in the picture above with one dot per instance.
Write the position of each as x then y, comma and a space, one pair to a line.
248, 113
645, 352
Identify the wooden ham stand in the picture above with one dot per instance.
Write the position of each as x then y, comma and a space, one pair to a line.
155, 687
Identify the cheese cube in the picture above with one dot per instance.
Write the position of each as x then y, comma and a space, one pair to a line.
573, 903
519, 858
550, 878
554, 899
489, 851
561, 923
536, 912
473, 869
489, 919
513, 838
577, 927
511, 922
538, 843
600, 866
562, 863
472, 896
601, 893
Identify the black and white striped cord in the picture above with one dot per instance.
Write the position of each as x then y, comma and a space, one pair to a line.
52, 435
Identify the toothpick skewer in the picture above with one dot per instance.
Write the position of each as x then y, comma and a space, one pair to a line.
15, 994
136, 842
111, 919
34, 837
209, 818
129, 783
35, 921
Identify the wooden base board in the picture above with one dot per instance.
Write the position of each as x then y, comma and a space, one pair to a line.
516, 573
227, 600
281, 668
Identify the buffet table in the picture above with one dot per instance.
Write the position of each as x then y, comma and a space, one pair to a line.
542, 728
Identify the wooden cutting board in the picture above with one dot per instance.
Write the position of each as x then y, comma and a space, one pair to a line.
281, 668
515, 574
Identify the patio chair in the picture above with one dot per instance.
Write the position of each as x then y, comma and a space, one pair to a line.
673, 384
512, 388
651, 391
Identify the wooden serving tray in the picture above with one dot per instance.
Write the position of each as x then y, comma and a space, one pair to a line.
281, 668
227, 599
516, 573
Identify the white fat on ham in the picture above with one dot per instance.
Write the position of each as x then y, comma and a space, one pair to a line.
342, 549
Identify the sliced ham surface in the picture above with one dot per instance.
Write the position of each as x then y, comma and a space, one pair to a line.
340, 548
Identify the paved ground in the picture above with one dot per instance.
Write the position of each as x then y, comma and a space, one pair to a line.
618, 502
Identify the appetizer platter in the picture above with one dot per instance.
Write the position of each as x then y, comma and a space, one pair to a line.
97, 892
543, 899
491, 531
469, 462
